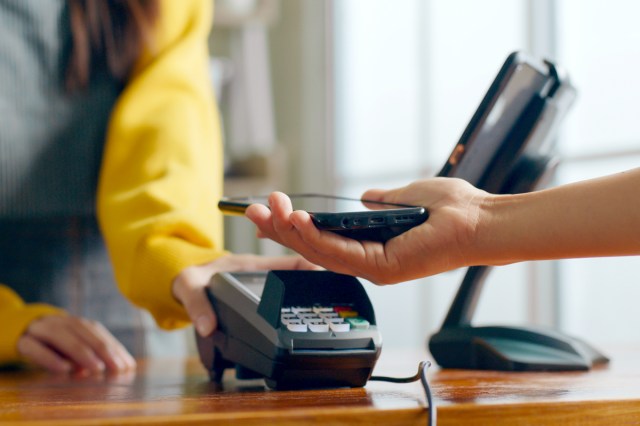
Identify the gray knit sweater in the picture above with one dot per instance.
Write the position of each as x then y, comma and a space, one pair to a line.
50, 142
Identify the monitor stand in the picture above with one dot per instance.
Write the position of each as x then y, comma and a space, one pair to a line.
459, 344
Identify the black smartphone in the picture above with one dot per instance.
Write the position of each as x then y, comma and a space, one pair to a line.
350, 217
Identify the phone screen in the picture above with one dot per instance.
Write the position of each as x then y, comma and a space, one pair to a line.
316, 203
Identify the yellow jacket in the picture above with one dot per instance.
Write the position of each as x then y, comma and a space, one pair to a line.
161, 174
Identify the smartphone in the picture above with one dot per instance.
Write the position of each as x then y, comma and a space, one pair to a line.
350, 217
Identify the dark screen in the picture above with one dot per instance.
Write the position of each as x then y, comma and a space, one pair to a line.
329, 204
498, 120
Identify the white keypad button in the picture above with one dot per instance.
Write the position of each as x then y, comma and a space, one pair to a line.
339, 327
298, 328
318, 328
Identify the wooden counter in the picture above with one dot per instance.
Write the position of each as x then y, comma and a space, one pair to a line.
178, 392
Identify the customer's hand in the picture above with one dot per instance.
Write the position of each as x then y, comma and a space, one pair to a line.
189, 285
62, 343
444, 242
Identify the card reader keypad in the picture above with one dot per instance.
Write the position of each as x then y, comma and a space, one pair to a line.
338, 318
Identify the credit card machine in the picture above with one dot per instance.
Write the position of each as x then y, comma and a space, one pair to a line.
295, 329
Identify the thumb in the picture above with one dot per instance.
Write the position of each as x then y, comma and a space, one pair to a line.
201, 312
195, 301
403, 195
374, 195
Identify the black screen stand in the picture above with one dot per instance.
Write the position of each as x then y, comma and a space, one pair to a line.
459, 344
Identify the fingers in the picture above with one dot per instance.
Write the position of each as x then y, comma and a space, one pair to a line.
297, 231
63, 343
338, 253
380, 195
189, 286
105, 345
272, 222
189, 289
261, 216
279, 226
40, 354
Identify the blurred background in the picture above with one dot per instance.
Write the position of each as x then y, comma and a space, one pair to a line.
340, 96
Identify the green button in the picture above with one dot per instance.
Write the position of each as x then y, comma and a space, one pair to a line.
358, 323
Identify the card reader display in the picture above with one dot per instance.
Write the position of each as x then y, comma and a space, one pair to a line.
295, 329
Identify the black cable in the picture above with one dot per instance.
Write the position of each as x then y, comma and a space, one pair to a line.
422, 376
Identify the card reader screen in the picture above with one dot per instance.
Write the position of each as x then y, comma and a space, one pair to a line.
252, 281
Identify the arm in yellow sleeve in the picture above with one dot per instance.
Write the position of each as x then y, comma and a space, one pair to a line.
162, 171
15, 317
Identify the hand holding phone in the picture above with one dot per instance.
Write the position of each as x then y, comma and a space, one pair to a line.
350, 217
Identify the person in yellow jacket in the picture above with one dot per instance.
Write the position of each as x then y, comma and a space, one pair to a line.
131, 138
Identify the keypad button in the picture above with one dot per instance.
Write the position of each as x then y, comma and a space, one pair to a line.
298, 328
358, 323
339, 327
318, 328
338, 318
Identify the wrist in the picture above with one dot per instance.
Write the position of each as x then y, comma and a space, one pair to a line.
491, 237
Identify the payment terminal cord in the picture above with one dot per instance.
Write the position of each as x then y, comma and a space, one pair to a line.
422, 376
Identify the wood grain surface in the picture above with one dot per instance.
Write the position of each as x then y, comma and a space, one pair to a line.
178, 392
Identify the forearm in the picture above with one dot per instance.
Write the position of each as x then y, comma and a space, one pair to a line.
600, 217
161, 172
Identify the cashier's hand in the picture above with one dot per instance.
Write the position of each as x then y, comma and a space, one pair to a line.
444, 242
189, 285
64, 343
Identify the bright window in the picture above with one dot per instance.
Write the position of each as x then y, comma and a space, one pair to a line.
410, 73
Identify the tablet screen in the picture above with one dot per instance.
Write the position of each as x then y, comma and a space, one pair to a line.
498, 121
501, 127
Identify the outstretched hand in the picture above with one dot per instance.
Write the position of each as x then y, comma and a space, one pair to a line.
441, 243
62, 344
189, 285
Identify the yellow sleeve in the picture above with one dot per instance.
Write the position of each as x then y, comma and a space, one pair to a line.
15, 317
161, 174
